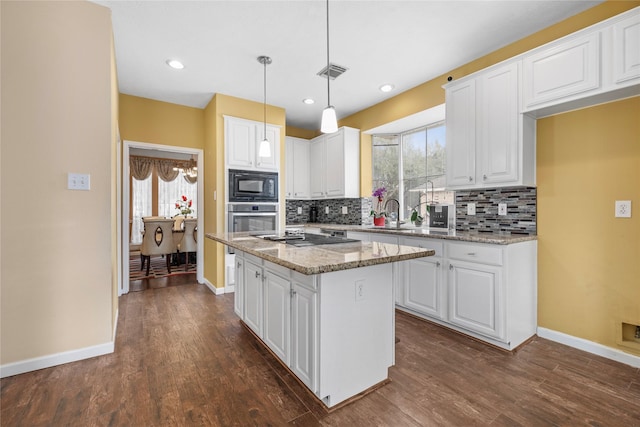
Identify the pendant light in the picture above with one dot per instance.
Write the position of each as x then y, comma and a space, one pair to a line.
265, 146
329, 122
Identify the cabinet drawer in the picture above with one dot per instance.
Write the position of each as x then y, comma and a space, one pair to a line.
252, 258
278, 270
484, 254
304, 280
417, 242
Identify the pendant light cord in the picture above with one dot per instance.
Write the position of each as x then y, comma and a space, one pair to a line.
328, 69
265, 98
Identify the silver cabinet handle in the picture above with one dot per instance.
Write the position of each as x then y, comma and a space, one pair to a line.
292, 293
450, 266
471, 253
257, 274
484, 177
238, 265
470, 179
438, 264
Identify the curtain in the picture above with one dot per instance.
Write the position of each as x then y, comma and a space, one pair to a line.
165, 169
170, 192
141, 200
140, 167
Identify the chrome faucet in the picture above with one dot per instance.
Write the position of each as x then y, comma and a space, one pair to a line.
397, 210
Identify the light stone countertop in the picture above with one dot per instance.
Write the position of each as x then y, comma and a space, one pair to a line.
322, 258
409, 230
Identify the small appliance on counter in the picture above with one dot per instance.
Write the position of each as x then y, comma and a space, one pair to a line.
442, 216
313, 214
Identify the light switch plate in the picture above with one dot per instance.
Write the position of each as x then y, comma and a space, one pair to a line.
345, 210
502, 209
623, 208
326, 210
471, 209
78, 181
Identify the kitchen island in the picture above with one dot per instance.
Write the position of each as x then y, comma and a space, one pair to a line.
326, 312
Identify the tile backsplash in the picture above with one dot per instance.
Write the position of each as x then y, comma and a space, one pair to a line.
520, 218
354, 215
521, 210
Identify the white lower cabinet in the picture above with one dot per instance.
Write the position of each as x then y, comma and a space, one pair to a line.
475, 298
238, 295
304, 312
488, 291
277, 308
253, 296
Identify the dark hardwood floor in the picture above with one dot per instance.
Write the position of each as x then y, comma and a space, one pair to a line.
182, 358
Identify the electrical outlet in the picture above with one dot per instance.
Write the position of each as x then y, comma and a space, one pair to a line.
623, 208
78, 181
471, 209
326, 210
299, 210
359, 290
345, 210
502, 209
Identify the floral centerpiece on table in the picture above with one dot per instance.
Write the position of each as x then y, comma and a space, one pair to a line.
378, 212
184, 205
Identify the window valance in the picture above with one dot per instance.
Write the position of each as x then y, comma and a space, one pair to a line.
167, 169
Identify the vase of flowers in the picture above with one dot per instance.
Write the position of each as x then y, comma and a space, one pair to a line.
377, 212
184, 205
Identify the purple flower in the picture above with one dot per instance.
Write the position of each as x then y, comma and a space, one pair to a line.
379, 192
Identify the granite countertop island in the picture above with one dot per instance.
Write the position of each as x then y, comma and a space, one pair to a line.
323, 258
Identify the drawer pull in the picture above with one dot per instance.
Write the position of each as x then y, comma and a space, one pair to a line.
257, 274
471, 253
238, 265
438, 264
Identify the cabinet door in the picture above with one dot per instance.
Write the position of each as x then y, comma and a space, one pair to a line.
253, 299
626, 50
334, 161
475, 298
277, 312
422, 278
240, 143
562, 70
498, 131
289, 167
461, 134
317, 167
304, 336
238, 296
273, 136
301, 174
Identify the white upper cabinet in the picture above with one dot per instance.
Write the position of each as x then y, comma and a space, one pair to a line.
242, 143
598, 64
626, 50
489, 143
563, 70
335, 164
297, 168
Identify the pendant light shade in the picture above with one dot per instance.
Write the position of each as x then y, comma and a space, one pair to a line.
329, 122
265, 146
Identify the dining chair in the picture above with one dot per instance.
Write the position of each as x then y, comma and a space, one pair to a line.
157, 240
189, 242
177, 222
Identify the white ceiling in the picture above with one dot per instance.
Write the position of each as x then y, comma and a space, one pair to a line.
404, 43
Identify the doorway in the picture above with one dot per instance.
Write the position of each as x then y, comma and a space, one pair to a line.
165, 151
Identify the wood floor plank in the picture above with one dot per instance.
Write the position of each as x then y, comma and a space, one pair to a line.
182, 358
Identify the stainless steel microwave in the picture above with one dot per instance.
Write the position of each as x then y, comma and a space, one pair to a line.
252, 186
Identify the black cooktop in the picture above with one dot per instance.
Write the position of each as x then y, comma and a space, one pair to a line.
309, 239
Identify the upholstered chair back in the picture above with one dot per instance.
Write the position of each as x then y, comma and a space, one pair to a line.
189, 241
158, 237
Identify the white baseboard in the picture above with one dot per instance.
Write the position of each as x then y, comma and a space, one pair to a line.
229, 289
36, 363
216, 291
590, 347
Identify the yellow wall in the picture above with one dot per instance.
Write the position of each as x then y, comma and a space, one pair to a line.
57, 245
589, 261
220, 106
157, 122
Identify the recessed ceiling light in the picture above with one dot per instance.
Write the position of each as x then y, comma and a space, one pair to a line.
174, 63
387, 87
308, 101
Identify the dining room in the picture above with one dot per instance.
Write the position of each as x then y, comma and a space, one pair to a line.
162, 217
